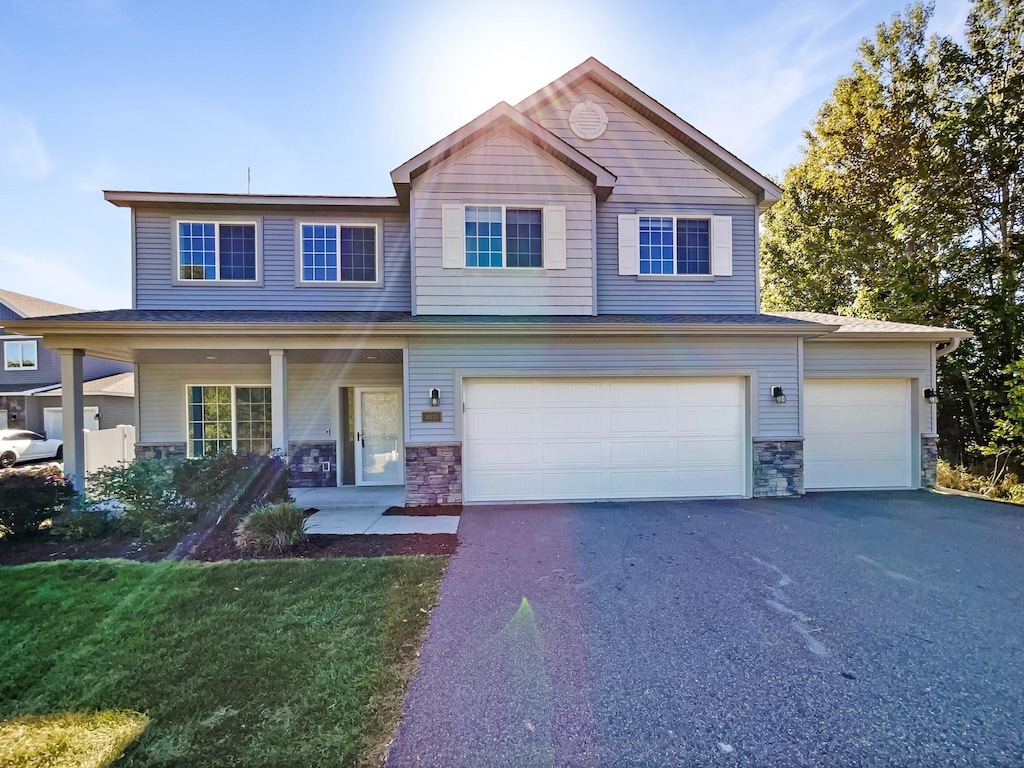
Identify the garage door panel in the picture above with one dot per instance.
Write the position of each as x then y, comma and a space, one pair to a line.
604, 438
857, 434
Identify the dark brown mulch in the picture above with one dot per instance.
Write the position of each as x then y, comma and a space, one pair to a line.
426, 510
219, 544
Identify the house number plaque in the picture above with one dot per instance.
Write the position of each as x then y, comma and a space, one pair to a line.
430, 415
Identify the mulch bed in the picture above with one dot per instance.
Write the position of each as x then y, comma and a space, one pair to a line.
426, 510
219, 544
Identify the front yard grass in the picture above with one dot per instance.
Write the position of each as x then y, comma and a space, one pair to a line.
249, 663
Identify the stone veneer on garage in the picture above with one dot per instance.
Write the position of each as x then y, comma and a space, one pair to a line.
15, 407
778, 468
160, 450
433, 474
306, 460
929, 460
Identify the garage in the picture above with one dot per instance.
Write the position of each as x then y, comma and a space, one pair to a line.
603, 438
857, 434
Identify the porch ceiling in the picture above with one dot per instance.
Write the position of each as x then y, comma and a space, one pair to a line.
262, 356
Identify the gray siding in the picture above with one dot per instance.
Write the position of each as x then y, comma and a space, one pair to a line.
155, 269
496, 171
645, 161
880, 360
438, 363
98, 368
618, 294
48, 372
6, 313
113, 410
312, 394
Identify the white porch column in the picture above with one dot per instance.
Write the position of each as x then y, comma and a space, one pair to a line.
72, 402
279, 401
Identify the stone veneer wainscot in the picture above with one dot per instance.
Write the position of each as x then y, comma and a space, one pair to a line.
433, 474
929, 460
160, 450
778, 468
306, 460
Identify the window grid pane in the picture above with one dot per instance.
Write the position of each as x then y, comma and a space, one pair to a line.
197, 250
252, 414
237, 252
693, 247
209, 420
320, 252
483, 236
657, 255
525, 235
359, 254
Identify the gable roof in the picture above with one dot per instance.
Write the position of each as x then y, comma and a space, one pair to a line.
503, 115
867, 329
117, 385
767, 191
30, 306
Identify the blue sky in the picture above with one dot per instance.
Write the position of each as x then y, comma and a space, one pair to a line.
328, 97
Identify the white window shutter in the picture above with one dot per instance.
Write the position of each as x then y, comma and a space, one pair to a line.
554, 236
721, 245
453, 234
629, 244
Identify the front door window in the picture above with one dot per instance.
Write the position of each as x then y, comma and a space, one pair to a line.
380, 458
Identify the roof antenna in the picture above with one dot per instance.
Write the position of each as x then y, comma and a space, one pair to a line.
248, 180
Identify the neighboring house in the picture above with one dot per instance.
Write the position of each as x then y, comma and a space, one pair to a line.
559, 303
30, 377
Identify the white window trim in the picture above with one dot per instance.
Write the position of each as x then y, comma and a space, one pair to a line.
378, 254
234, 411
218, 220
720, 246
9, 367
553, 239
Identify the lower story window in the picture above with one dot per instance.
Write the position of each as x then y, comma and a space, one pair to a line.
227, 418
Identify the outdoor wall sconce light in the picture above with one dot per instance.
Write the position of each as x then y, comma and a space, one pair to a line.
931, 395
779, 395
435, 397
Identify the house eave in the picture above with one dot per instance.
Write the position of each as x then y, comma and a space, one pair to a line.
235, 202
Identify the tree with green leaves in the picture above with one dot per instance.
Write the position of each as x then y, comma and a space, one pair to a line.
907, 203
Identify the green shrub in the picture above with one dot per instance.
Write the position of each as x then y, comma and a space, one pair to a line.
81, 523
1007, 486
145, 489
29, 497
232, 482
277, 526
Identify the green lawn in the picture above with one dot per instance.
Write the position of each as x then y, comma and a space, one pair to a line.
282, 662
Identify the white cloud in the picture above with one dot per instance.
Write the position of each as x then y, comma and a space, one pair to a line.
21, 151
48, 277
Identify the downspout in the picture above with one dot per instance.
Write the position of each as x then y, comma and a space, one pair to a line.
947, 347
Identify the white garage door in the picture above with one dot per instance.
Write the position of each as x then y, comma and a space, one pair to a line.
53, 420
857, 433
568, 439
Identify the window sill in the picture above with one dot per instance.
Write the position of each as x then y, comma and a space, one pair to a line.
676, 278
505, 270
219, 283
338, 284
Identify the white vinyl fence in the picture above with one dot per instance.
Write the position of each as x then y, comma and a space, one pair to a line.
106, 447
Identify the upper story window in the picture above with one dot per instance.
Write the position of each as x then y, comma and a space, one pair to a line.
674, 246
21, 355
667, 245
503, 236
338, 253
217, 250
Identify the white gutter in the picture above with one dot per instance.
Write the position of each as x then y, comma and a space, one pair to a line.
948, 347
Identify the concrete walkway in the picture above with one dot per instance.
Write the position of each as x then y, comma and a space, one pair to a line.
352, 510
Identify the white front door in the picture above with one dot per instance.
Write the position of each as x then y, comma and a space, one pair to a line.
380, 449
53, 421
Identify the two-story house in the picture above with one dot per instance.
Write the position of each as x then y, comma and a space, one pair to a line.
560, 302
30, 395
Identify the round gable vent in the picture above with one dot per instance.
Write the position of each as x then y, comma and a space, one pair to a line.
588, 120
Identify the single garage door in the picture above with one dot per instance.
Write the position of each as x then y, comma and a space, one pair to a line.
857, 433
577, 439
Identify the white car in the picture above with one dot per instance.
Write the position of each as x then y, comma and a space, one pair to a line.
21, 445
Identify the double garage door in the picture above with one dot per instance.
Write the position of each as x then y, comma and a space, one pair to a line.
593, 438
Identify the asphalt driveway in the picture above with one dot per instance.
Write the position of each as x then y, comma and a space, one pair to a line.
838, 629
